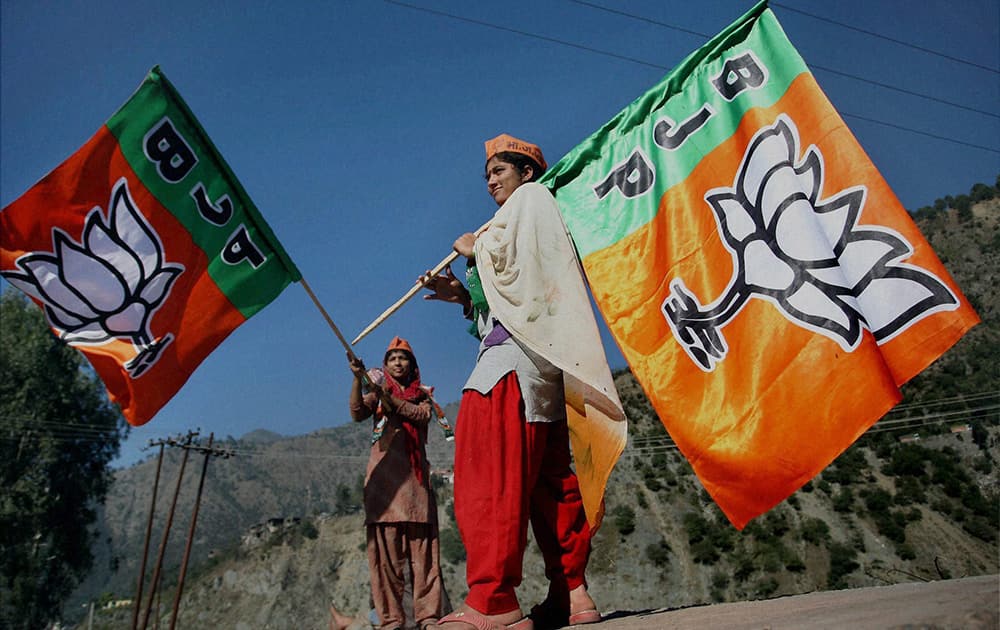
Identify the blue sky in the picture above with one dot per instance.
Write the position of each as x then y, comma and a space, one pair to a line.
358, 127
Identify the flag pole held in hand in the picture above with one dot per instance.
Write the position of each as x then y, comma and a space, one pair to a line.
367, 382
450, 258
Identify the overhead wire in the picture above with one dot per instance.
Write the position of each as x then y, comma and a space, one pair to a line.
654, 444
811, 65
526, 34
880, 36
948, 411
680, 29
941, 401
922, 133
904, 91
890, 423
81, 428
643, 18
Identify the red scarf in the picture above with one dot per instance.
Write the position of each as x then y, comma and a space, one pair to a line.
415, 394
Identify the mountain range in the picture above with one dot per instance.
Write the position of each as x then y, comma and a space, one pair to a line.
280, 532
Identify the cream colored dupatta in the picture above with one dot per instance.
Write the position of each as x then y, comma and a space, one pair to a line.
534, 285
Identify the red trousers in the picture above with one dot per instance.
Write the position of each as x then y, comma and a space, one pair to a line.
508, 471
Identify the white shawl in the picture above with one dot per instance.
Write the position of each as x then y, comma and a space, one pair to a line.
534, 285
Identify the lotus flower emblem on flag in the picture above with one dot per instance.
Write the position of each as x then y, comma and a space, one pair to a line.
804, 254
108, 286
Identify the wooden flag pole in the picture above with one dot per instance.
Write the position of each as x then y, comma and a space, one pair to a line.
329, 320
450, 258
367, 382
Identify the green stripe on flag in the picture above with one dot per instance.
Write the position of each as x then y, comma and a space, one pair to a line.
249, 288
596, 222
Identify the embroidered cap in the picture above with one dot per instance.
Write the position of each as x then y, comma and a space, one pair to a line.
504, 142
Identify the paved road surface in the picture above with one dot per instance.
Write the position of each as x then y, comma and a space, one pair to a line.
966, 604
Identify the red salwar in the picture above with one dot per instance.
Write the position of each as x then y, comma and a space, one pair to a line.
507, 470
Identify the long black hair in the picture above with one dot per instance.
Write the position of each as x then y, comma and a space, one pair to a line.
520, 161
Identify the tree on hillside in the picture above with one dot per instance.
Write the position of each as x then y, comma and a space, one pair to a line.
58, 433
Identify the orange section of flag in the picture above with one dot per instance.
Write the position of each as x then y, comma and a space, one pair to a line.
785, 401
63, 199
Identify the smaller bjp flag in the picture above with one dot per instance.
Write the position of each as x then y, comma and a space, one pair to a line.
143, 249
765, 285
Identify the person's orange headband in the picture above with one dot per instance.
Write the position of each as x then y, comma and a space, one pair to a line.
504, 143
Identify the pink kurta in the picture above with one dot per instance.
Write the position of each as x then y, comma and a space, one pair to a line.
398, 480
401, 517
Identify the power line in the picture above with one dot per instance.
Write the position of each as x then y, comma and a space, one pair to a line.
299, 456
881, 36
640, 446
655, 443
642, 18
942, 401
951, 410
662, 67
904, 91
526, 34
812, 65
666, 444
794, 10
922, 133
68, 431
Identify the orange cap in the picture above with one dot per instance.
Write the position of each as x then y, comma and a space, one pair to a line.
504, 142
398, 343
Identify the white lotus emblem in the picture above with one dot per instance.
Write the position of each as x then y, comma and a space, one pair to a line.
805, 255
106, 286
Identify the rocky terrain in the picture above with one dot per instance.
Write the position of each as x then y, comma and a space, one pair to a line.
284, 573
280, 533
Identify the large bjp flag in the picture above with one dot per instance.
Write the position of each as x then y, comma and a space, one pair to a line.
143, 249
768, 290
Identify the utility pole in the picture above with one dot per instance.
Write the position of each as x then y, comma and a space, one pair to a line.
187, 444
187, 440
208, 451
137, 604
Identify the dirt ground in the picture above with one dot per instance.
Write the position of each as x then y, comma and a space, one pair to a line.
967, 604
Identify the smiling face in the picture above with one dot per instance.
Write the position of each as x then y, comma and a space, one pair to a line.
399, 365
503, 178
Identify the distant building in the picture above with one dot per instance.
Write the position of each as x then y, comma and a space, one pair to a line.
262, 532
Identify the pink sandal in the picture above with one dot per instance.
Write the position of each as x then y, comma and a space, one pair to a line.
549, 616
479, 621
585, 616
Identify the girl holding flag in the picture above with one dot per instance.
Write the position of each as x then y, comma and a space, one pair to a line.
400, 509
512, 452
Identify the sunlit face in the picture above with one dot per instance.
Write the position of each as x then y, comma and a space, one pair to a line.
399, 365
503, 178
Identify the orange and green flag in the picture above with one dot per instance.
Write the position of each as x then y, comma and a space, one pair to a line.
143, 249
765, 285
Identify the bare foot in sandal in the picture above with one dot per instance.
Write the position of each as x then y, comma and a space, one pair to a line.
567, 609
466, 617
582, 608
